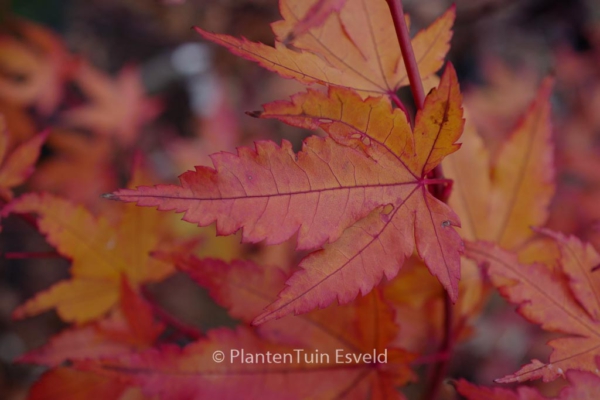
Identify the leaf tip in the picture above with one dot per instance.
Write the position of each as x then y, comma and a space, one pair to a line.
450, 74
452, 8
267, 315
110, 196
453, 294
261, 319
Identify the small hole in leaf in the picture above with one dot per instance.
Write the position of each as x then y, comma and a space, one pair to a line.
446, 223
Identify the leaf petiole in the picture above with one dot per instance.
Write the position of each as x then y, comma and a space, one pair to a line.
442, 193
438, 370
443, 181
399, 104
412, 70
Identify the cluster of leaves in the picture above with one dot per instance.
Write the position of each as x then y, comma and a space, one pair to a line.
362, 200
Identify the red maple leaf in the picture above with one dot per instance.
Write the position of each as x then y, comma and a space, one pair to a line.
364, 191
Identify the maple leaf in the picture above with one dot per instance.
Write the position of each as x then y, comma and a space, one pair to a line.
499, 197
365, 326
273, 193
42, 59
417, 298
562, 300
102, 252
583, 385
118, 107
356, 48
499, 201
128, 327
18, 165
244, 289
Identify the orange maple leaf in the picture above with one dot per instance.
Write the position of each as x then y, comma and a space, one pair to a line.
356, 48
102, 251
366, 326
565, 299
130, 326
499, 197
370, 202
244, 289
499, 201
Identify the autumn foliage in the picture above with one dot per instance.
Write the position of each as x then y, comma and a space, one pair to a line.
340, 262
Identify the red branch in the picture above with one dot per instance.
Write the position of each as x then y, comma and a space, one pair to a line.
439, 369
441, 192
408, 55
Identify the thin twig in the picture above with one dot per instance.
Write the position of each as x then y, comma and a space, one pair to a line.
439, 369
441, 192
408, 55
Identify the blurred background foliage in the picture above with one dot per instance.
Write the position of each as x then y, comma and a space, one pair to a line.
177, 99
